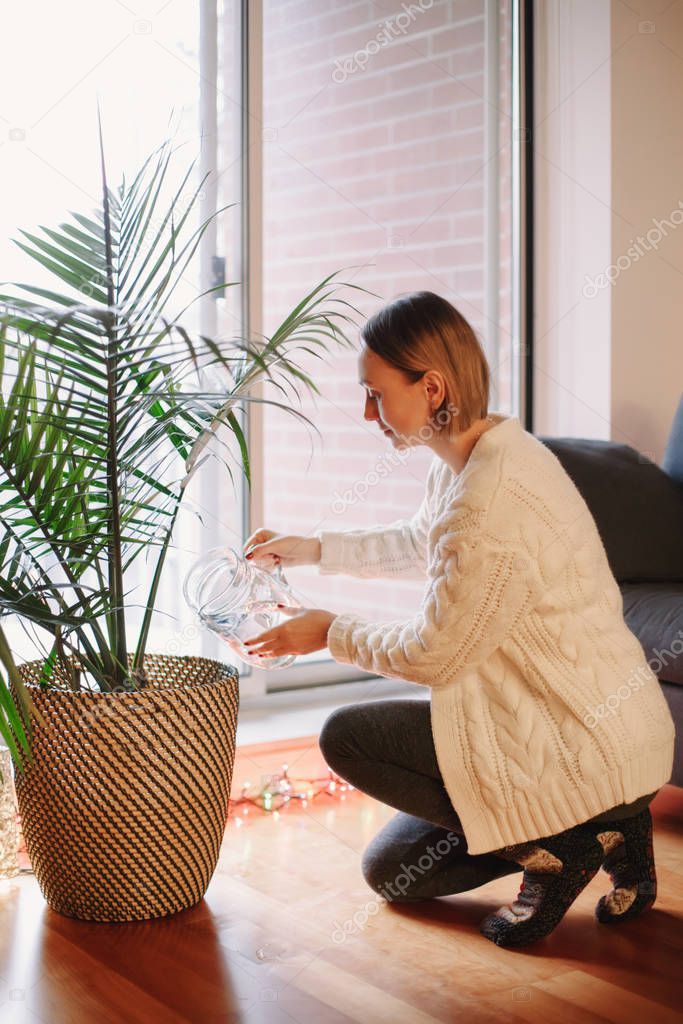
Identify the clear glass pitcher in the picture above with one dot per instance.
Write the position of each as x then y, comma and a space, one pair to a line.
238, 601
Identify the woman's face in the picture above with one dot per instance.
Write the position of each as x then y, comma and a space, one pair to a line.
399, 408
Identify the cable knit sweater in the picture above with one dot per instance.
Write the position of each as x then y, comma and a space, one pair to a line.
544, 709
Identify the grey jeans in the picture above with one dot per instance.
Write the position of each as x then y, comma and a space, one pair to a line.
385, 748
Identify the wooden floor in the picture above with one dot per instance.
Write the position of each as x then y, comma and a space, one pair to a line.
263, 948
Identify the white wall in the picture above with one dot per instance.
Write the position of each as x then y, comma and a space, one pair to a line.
609, 163
647, 187
572, 233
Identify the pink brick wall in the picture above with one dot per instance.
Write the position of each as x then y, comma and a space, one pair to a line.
384, 168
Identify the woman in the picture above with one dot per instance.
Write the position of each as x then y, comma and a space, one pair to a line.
520, 636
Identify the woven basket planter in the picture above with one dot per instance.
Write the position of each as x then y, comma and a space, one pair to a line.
126, 801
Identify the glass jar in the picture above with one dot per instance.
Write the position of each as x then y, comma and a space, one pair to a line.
9, 833
238, 601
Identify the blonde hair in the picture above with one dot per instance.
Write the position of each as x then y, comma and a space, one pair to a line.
422, 331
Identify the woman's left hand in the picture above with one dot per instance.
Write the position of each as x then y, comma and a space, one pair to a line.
304, 633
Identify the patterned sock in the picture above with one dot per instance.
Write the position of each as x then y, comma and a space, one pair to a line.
556, 869
629, 861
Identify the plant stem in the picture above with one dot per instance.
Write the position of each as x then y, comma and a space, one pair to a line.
151, 598
114, 545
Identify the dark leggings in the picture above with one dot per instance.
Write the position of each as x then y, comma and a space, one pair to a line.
385, 748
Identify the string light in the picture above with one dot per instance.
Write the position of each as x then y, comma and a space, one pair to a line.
279, 791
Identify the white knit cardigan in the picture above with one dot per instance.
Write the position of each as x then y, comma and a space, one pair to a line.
544, 708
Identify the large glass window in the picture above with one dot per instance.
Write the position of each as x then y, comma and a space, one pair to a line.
386, 147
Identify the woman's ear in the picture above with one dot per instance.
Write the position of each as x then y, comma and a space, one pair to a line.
435, 388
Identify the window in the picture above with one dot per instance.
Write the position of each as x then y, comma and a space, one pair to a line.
384, 144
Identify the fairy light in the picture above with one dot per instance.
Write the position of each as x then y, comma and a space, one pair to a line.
279, 791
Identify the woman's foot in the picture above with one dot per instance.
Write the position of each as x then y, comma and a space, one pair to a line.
556, 869
629, 861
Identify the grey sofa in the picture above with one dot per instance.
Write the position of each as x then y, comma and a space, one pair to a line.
638, 508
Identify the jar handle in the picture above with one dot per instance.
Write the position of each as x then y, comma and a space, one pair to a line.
280, 577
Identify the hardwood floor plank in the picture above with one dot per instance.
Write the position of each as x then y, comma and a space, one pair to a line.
584, 991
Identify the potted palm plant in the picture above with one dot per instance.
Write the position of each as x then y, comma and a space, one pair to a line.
123, 758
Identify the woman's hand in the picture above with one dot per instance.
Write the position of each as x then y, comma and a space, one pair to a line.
267, 548
304, 633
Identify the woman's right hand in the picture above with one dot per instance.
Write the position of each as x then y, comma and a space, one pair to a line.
268, 548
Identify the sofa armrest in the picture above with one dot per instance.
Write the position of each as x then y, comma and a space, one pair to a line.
672, 462
637, 507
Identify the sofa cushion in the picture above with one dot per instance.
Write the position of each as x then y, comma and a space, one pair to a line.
654, 612
638, 508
